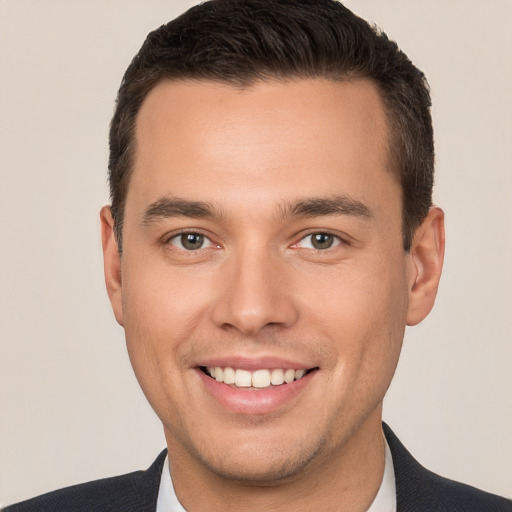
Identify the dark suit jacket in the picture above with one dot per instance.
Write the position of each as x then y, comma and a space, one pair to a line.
418, 490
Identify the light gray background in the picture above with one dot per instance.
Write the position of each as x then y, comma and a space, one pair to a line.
71, 409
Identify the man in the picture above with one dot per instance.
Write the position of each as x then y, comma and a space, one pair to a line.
270, 236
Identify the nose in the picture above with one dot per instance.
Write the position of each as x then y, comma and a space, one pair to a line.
256, 294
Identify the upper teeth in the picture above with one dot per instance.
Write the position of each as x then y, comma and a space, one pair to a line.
256, 379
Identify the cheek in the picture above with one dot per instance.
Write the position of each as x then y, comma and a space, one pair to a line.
162, 312
162, 301
362, 311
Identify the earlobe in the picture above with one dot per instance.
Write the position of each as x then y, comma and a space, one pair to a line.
427, 255
111, 263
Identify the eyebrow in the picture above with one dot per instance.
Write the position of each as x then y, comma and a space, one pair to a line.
169, 207
324, 206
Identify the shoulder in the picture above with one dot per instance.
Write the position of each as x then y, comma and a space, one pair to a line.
137, 491
419, 489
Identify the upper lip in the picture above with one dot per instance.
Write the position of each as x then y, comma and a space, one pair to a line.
255, 363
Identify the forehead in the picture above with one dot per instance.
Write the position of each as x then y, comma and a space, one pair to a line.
200, 138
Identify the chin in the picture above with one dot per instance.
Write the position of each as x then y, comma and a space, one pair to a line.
262, 465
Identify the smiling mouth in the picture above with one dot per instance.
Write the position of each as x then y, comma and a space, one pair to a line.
258, 379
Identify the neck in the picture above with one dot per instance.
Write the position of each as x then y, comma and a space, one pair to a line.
349, 475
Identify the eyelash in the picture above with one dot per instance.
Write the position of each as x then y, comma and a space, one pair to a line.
337, 241
177, 236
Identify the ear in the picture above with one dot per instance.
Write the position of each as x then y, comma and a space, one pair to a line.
427, 255
111, 263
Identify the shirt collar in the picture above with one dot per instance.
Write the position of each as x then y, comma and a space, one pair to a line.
385, 501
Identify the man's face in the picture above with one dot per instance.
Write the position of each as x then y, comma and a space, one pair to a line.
263, 234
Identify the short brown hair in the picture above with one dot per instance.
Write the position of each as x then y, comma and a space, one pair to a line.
241, 41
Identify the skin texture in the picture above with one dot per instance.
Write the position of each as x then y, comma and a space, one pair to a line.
258, 293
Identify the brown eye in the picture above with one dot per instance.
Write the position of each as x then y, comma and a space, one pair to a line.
319, 241
190, 241
322, 240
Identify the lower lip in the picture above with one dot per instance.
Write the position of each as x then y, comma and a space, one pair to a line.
254, 401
